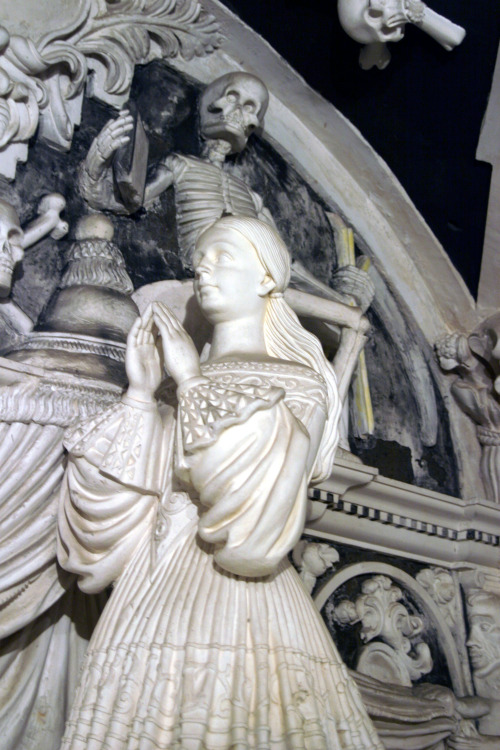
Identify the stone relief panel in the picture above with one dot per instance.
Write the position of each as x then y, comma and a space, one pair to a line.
81, 319
437, 707
417, 449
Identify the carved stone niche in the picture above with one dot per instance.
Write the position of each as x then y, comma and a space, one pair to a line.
383, 630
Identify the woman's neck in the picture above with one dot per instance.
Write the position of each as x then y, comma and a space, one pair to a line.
241, 337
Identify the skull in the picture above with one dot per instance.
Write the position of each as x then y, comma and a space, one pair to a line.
369, 21
11, 245
232, 107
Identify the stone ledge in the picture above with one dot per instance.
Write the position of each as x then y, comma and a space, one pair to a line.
402, 519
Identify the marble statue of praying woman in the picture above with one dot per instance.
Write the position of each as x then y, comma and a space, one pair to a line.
209, 639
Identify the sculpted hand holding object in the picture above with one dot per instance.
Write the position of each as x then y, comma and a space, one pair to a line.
190, 509
376, 22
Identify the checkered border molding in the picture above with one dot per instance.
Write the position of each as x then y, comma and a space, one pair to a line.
393, 519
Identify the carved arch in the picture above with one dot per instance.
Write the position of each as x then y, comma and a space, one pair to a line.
446, 640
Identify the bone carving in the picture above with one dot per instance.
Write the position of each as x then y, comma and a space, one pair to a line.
394, 657
231, 108
42, 81
14, 240
376, 22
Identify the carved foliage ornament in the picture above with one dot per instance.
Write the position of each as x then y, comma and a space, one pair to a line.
475, 358
383, 616
41, 83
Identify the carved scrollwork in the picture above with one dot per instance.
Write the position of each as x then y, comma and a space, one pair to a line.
389, 630
41, 83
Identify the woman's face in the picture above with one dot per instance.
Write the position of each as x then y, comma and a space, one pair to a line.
230, 281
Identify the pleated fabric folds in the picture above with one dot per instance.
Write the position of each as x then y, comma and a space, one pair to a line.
187, 656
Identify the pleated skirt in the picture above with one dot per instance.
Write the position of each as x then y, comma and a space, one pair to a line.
189, 657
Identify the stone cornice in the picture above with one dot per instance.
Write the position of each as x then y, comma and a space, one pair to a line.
358, 506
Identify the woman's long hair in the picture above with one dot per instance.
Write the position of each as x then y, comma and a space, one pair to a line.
285, 337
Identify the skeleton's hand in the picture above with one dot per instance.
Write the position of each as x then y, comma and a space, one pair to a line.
353, 282
114, 134
181, 359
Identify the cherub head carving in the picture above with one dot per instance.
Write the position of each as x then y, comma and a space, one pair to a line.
232, 107
11, 245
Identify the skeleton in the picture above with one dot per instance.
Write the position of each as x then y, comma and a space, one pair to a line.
231, 108
375, 22
14, 240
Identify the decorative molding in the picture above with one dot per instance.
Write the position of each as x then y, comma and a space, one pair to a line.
439, 529
444, 588
440, 585
73, 343
41, 84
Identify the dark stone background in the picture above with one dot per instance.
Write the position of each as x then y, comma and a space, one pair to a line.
422, 114
148, 241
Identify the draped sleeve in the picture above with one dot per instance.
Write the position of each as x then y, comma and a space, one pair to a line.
116, 469
246, 454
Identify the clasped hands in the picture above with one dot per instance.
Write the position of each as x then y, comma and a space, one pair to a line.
143, 360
